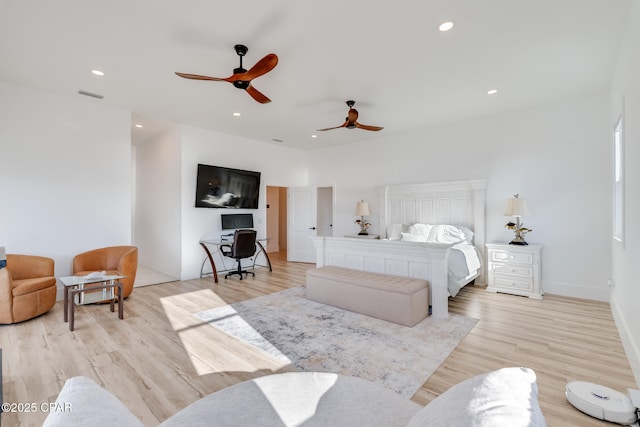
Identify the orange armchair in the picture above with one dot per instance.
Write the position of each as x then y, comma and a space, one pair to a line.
27, 288
121, 260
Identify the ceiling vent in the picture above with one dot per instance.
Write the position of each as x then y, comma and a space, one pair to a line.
93, 95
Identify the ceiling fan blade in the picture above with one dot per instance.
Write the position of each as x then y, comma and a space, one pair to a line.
367, 127
257, 95
263, 66
199, 77
344, 125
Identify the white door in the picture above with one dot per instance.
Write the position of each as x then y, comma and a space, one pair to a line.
301, 219
325, 211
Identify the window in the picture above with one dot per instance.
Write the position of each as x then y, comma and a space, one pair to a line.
618, 181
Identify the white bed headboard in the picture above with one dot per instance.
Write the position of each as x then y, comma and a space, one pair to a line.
452, 202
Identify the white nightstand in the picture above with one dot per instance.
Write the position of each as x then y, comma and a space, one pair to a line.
514, 269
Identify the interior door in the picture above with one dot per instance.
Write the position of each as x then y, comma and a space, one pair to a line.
324, 219
301, 219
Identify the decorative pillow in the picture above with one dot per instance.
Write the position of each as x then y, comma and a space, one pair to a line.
506, 397
82, 402
395, 233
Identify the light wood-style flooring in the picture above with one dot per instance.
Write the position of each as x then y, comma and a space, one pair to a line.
161, 358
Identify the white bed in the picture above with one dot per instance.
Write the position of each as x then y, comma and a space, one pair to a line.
464, 260
459, 203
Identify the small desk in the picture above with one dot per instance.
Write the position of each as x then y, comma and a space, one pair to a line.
216, 243
87, 290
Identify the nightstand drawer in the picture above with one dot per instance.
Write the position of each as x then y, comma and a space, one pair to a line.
517, 257
506, 283
512, 270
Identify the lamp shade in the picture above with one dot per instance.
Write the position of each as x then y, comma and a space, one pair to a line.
516, 207
362, 209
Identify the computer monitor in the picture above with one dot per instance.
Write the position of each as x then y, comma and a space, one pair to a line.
236, 221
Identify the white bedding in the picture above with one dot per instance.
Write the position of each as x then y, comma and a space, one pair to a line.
463, 266
464, 260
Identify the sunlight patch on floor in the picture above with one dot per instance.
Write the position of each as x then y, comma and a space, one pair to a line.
209, 349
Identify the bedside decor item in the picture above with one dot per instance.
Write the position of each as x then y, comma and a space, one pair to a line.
362, 210
517, 208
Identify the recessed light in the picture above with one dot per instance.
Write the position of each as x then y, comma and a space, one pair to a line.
139, 126
492, 91
314, 136
236, 114
97, 72
445, 26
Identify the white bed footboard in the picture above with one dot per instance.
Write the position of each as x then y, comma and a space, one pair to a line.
408, 259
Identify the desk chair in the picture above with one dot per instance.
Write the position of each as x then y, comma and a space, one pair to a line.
243, 246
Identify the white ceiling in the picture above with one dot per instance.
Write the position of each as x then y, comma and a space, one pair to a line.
386, 55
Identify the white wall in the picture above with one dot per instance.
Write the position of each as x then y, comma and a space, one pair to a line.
625, 296
65, 174
157, 229
279, 166
557, 156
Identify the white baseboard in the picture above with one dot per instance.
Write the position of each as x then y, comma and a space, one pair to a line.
576, 291
631, 348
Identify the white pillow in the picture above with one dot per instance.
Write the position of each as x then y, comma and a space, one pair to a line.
506, 397
446, 234
396, 231
410, 237
468, 234
418, 228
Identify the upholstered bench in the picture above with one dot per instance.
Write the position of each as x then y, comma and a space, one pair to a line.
396, 299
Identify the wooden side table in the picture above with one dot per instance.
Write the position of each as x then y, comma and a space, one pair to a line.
91, 290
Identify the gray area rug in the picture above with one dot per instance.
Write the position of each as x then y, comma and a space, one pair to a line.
318, 337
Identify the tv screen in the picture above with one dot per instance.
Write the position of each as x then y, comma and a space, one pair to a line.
235, 221
219, 187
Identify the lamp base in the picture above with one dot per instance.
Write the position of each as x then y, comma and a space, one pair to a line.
363, 233
518, 241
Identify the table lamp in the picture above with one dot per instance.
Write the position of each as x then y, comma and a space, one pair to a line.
516, 207
362, 210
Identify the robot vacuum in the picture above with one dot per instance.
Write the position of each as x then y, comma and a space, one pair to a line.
604, 403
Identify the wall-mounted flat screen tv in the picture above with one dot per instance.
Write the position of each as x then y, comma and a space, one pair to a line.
219, 187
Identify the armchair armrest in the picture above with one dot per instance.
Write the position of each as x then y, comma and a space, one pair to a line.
225, 250
6, 298
128, 264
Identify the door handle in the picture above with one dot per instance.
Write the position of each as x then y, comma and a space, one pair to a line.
312, 228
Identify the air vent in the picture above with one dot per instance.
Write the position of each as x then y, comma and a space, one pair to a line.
93, 95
